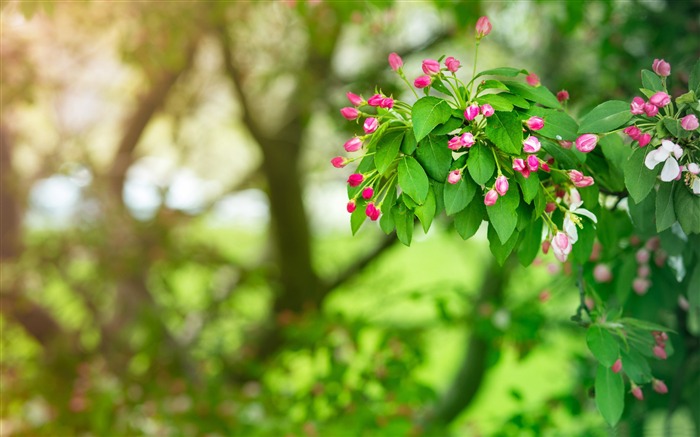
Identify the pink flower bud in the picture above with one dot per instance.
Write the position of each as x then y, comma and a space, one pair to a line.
371, 125
617, 366
586, 143
535, 123
454, 176
640, 286
387, 103
661, 67
546, 244
375, 100
563, 96
471, 112
633, 132
531, 145
660, 258
455, 143
561, 246
642, 256
659, 352
491, 198
350, 113
637, 106
501, 185
585, 181
468, 139
532, 79
650, 110
659, 386
395, 61
689, 122
483, 27
566, 144
637, 393
431, 67
353, 144
372, 212
422, 81
643, 271
550, 207
602, 273
533, 163
339, 162
367, 193
520, 166
693, 168
452, 64
660, 99
545, 167
644, 139
355, 179
595, 253
354, 99
544, 296
487, 110
351, 206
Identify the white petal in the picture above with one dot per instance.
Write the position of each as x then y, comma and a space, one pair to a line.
587, 213
668, 145
670, 171
678, 152
650, 161
570, 229
575, 198
696, 186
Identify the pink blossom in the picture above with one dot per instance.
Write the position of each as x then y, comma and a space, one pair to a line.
546, 244
532, 79
617, 366
354, 99
468, 139
545, 167
633, 132
531, 145
533, 163
491, 198
640, 285
602, 273
483, 27
452, 64
371, 125
372, 211
339, 162
454, 176
350, 113
650, 109
642, 256
563, 96
535, 123
422, 81
367, 193
501, 185
644, 139
693, 168
353, 144
375, 100
661, 67
387, 103
643, 271
660, 99
520, 166
637, 393
690, 122
561, 246
455, 143
355, 179
487, 110
351, 206
471, 112
659, 386
659, 352
431, 67
566, 144
395, 61
668, 153
550, 207
637, 106
586, 142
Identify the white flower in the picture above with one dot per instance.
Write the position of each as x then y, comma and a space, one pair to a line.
696, 186
571, 219
668, 152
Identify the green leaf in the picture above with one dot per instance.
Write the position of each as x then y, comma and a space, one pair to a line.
643, 324
387, 151
491, 84
563, 156
603, 345
386, 221
665, 213
687, 206
498, 249
438, 189
694, 301
651, 81
435, 157
496, 101
557, 124
503, 215
404, 219
639, 180
427, 113
694, 81
357, 218
606, 117
530, 242
673, 126
530, 186
581, 251
540, 203
517, 101
450, 125
481, 163
506, 132
614, 150
457, 196
413, 180
426, 211
538, 94
609, 394
625, 277
468, 220
635, 366
642, 215
409, 144
501, 71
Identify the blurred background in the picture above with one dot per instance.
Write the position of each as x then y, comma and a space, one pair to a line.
176, 255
